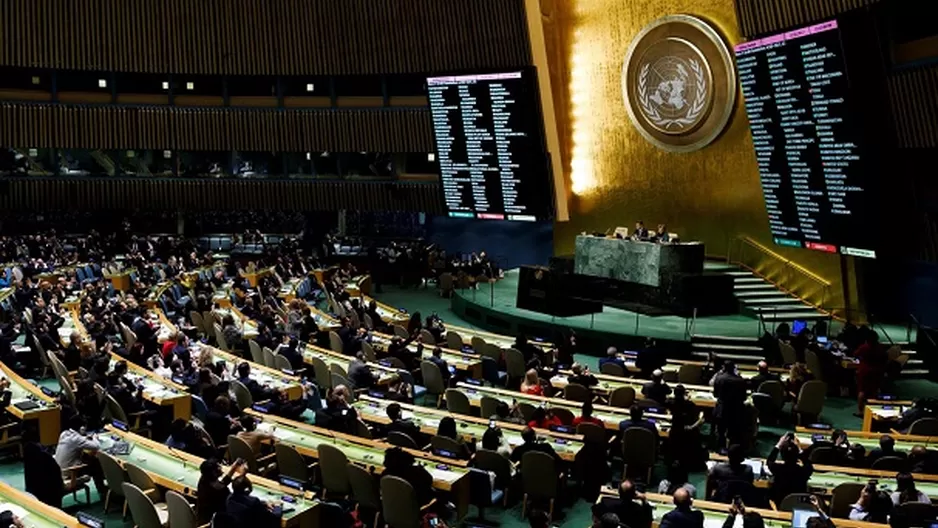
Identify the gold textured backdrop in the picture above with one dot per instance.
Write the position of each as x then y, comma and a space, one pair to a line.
614, 177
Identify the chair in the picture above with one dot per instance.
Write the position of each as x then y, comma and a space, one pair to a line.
362, 430
292, 464
428, 338
527, 410
433, 380
243, 398
400, 439
369, 352
336, 368
145, 512
491, 351
915, 514
281, 362
338, 379
592, 433
364, 491
270, 359
458, 403
369, 323
141, 479
238, 448
488, 406
793, 500
563, 414
322, 373
332, 464
400, 331
335, 342
924, 427
810, 401
129, 336
514, 364
612, 369
446, 284
220, 337
890, 463
789, 357
491, 374
453, 340
400, 506
208, 319
196, 319
826, 456
181, 513
843, 497
458, 449
775, 390
639, 448
477, 344
134, 421
481, 492
257, 355
538, 479
576, 392
115, 476
622, 397
814, 364
690, 374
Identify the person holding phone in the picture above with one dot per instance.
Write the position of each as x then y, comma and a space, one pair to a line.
792, 473
213, 488
250, 511
749, 519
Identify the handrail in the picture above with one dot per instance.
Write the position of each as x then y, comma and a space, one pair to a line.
788, 262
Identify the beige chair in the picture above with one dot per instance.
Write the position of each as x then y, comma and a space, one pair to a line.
453, 340
428, 338
538, 480
924, 427
446, 284
514, 365
129, 336
488, 405
690, 374
498, 464
43, 356
789, 357
433, 380
181, 513
269, 358
292, 464
220, 337
400, 506
145, 512
369, 352
458, 449
257, 355
843, 497
364, 491
576, 392
793, 500
142, 481
208, 319
322, 373
592, 433
776, 390
564, 415
238, 448
612, 369
336, 368
622, 397
477, 344
332, 467
243, 398
369, 323
115, 476
196, 319
335, 342
814, 364
400, 331
810, 403
134, 421
639, 450
282, 363
458, 403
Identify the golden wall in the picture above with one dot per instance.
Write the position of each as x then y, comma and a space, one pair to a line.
614, 177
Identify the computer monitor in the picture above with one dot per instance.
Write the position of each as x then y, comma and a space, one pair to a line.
798, 326
800, 516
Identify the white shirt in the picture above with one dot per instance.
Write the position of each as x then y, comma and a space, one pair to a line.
71, 444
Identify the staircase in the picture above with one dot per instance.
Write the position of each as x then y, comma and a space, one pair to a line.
758, 296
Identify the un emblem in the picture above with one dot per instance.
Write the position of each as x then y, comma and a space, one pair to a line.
679, 83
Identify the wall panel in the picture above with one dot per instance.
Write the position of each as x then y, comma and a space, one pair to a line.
303, 37
914, 99
757, 17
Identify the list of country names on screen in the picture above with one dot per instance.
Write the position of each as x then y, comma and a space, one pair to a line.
481, 123
796, 88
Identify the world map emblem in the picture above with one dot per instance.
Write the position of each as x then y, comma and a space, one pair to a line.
679, 83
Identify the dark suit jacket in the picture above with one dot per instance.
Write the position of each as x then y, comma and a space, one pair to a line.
635, 514
444, 368
251, 512
643, 424
678, 518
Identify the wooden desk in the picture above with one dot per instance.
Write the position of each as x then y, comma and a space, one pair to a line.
262, 374
470, 364
715, 512
702, 395
254, 277
323, 320
747, 371
388, 314
155, 292
611, 416
247, 326
121, 280
471, 428
48, 415
883, 411
869, 440
359, 285
179, 471
32, 512
159, 390
72, 323
499, 340
448, 475
329, 357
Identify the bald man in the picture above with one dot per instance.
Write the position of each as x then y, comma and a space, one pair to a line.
629, 505
682, 516
763, 376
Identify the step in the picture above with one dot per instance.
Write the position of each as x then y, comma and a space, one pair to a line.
749, 280
791, 316
739, 358
739, 273
701, 337
719, 266
765, 294
915, 373
786, 300
717, 346
761, 286
767, 308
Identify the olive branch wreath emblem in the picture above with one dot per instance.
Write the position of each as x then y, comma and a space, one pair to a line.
697, 107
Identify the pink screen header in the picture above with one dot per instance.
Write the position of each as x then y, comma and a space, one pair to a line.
790, 35
472, 78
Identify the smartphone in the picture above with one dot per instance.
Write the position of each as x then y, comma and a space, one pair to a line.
492, 424
443, 467
289, 498
737, 501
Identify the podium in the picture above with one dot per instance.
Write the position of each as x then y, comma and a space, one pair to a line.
552, 292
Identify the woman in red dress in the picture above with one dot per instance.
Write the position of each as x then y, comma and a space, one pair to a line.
870, 369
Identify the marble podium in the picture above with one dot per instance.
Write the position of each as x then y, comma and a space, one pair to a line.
645, 263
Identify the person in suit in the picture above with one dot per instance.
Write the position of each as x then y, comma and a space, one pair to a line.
400, 425
763, 376
612, 356
359, 373
682, 516
637, 419
788, 475
887, 447
730, 390
751, 519
641, 232
437, 359
649, 358
724, 476
530, 444
629, 505
250, 511
258, 393
657, 389
213, 488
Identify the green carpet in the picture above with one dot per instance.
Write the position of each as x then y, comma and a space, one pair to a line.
576, 513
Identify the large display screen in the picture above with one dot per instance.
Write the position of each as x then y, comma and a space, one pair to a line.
808, 140
490, 146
